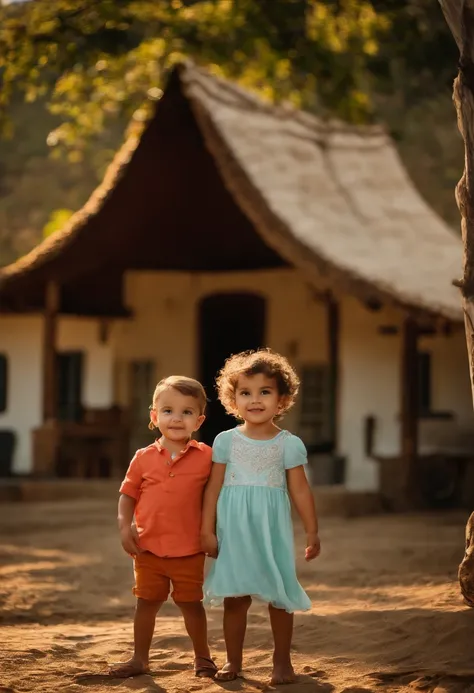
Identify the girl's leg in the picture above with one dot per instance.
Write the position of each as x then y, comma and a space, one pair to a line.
282, 628
235, 625
143, 629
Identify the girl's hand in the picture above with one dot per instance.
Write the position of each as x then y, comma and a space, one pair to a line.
129, 539
313, 547
209, 544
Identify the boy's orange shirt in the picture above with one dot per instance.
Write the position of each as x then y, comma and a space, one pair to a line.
169, 494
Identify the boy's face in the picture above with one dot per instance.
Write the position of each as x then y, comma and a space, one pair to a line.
257, 398
177, 416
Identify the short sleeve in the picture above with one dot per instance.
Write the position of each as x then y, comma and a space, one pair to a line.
221, 447
295, 452
133, 479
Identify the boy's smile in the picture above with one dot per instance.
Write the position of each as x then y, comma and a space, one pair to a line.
177, 416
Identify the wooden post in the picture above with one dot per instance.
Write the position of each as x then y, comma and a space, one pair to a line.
409, 413
49, 351
459, 15
333, 343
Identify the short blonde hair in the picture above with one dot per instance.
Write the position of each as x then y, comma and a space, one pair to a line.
183, 385
250, 363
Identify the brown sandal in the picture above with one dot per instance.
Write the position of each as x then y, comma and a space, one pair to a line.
204, 668
227, 676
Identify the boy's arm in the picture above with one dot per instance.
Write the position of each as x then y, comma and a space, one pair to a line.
129, 494
209, 509
126, 510
302, 497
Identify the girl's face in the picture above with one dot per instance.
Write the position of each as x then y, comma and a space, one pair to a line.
257, 398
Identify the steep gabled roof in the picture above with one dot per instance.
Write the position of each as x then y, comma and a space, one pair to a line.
326, 197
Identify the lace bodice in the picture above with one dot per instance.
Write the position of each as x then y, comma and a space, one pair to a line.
258, 462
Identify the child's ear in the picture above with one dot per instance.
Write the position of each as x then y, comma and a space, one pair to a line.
199, 422
282, 403
153, 420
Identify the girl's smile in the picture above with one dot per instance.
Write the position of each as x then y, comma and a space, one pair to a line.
257, 398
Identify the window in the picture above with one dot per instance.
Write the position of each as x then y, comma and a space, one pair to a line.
424, 383
316, 415
142, 381
3, 382
70, 368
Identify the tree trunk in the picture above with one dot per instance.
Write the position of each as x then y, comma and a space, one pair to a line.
459, 15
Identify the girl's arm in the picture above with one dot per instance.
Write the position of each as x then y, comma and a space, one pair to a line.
126, 510
302, 497
209, 509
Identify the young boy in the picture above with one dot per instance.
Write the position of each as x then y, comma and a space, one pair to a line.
163, 489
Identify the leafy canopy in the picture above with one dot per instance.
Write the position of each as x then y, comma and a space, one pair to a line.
95, 60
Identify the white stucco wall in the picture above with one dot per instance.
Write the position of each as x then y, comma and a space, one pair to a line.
369, 386
21, 339
451, 394
450, 386
164, 330
165, 326
21, 342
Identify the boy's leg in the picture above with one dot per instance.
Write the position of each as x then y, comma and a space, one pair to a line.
196, 625
187, 575
235, 625
143, 629
282, 628
151, 589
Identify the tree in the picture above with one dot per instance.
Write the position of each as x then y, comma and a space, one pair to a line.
98, 59
459, 15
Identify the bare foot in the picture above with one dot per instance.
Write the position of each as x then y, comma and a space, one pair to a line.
283, 674
228, 673
125, 670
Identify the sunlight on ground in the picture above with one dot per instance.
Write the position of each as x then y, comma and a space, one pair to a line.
386, 616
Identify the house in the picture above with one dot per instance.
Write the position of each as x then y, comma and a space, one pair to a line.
227, 225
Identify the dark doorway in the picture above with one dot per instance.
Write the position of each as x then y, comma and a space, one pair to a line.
228, 323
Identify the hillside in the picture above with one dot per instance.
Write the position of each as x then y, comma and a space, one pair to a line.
34, 183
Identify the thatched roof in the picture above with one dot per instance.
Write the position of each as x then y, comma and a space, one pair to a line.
324, 197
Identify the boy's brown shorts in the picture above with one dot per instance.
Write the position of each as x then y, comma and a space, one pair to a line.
153, 576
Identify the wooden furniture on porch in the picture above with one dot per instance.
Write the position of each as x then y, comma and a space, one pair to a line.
97, 446
444, 481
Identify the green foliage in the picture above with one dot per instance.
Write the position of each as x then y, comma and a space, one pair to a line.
33, 183
99, 60
57, 220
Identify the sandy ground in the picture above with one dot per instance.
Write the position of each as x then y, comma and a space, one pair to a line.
386, 613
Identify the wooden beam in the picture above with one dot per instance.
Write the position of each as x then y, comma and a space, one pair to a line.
334, 349
49, 351
409, 412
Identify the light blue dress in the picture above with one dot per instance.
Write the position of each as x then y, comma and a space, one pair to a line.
254, 528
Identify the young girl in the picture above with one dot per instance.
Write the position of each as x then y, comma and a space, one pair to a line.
255, 467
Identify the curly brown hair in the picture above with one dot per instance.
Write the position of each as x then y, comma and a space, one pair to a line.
250, 363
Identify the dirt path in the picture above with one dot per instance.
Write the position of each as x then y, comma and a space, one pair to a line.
386, 614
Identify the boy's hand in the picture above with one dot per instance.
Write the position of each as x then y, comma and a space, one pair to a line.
313, 547
135, 535
129, 539
209, 544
